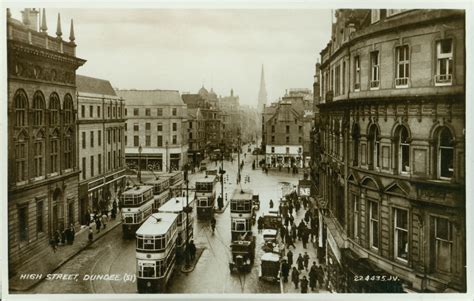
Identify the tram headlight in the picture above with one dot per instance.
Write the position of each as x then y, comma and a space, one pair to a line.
148, 284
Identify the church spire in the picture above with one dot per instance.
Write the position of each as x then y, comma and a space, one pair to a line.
59, 32
262, 93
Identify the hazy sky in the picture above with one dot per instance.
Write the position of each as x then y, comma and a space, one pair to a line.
183, 49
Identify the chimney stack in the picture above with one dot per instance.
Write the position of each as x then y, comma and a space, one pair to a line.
31, 18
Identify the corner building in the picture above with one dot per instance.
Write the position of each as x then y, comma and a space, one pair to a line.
42, 155
389, 150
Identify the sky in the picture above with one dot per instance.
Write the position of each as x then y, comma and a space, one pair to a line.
183, 49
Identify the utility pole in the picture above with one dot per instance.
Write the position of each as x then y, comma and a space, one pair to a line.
186, 179
140, 164
222, 175
238, 157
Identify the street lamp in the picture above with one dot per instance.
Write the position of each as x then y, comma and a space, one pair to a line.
187, 210
140, 163
222, 176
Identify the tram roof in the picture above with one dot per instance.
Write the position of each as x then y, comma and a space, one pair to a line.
157, 224
244, 194
138, 189
157, 181
206, 179
175, 204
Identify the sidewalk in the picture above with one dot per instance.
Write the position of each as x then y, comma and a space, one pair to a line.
48, 262
193, 263
289, 287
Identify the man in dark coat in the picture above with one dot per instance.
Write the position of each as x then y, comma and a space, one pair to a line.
320, 275
313, 276
306, 260
289, 255
192, 250
283, 232
304, 285
305, 236
295, 277
285, 270
300, 262
289, 241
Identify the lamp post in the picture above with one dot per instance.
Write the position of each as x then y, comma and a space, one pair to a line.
238, 157
167, 163
222, 174
140, 163
186, 209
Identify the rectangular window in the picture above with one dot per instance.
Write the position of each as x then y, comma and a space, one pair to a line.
374, 224
273, 129
159, 127
115, 112
120, 158
23, 223
39, 217
83, 139
287, 150
109, 161
108, 111
287, 140
300, 129
135, 127
374, 70
84, 168
401, 234
174, 111
147, 112
114, 135
119, 134
159, 141
273, 149
83, 111
91, 111
126, 112
135, 112
148, 140
54, 155
337, 83
99, 163
444, 62
99, 137
159, 111
175, 139
355, 204
443, 244
126, 140
109, 136
374, 15
115, 160
92, 138
175, 126
403, 66
92, 166
273, 139
343, 78
356, 73
98, 111
287, 129
135, 141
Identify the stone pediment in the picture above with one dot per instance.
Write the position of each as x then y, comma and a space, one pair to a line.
398, 188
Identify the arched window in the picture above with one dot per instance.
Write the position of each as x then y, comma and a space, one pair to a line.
21, 157
445, 154
54, 153
38, 109
355, 144
403, 148
374, 147
39, 155
54, 108
20, 109
68, 110
68, 158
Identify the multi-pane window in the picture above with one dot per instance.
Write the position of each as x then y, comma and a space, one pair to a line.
355, 144
374, 147
83, 139
401, 234
68, 110
39, 217
92, 138
403, 66
273, 139
120, 157
54, 107
135, 127
374, 224
175, 139
98, 111
174, 111
109, 136
38, 109
135, 141
91, 111
403, 150
83, 111
109, 160
159, 111
23, 223
114, 135
21, 159
135, 112
287, 129
99, 137
374, 70
287, 140
147, 112
356, 73
337, 81
53, 153
99, 163
273, 129
444, 62
147, 140
84, 168
21, 106
273, 149
92, 166
68, 158
355, 206
445, 154
175, 126
159, 127
159, 141
443, 243
115, 111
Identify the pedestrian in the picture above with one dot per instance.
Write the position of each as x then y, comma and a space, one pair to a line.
114, 209
260, 224
97, 224
283, 232
300, 262
305, 237
63, 237
285, 270
304, 285
90, 236
293, 232
280, 207
300, 230
287, 221
290, 208
289, 256
288, 168
297, 206
72, 234
320, 275
313, 276
306, 260
104, 219
271, 203
295, 277
289, 241
192, 250
53, 244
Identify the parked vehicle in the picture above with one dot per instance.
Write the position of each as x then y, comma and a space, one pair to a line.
270, 267
243, 254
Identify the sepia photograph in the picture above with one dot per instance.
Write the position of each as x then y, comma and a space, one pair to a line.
212, 151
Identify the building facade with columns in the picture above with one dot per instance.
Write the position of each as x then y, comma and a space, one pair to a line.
43, 171
156, 131
101, 145
389, 162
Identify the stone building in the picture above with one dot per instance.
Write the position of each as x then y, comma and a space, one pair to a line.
196, 136
101, 144
156, 129
229, 107
389, 160
43, 171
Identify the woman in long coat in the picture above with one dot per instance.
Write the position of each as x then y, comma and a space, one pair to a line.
295, 277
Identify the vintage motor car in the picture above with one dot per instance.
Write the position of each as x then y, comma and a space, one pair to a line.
243, 255
270, 267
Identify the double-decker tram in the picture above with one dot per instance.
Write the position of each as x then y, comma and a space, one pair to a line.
205, 194
185, 222
156, 252
176, 179
161, 192
241, 212
137, 205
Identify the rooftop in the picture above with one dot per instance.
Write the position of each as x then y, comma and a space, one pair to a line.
244, 194
151, 97
175, 205
138, 189
94, 85
157, 224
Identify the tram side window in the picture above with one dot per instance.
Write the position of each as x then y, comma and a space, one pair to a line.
160, 268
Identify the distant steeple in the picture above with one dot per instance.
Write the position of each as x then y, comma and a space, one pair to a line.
59, 32
71, 33
44, 26
262, 93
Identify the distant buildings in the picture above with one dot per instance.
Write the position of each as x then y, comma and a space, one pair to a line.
43, 171
156, 129
389, 150
101, 145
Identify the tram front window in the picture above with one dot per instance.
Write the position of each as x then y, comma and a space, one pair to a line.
239, 225
203, 203
128, 219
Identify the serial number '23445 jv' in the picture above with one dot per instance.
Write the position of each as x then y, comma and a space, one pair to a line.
376, 278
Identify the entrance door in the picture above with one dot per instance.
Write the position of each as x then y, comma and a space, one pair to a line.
55, 218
